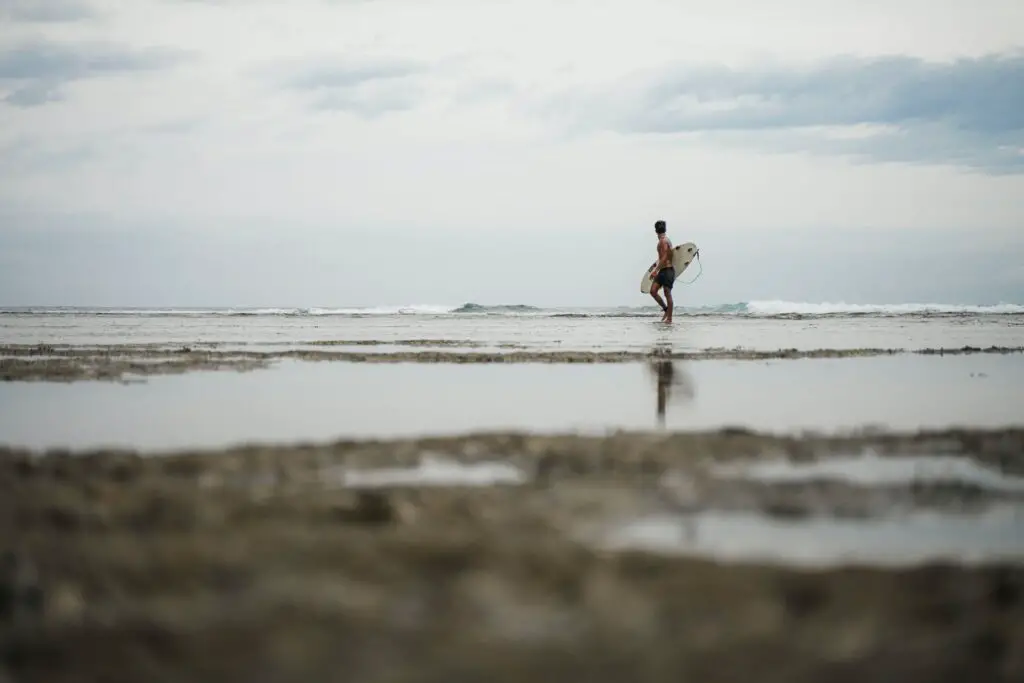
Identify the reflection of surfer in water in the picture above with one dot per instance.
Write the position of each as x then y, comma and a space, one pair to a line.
668, 378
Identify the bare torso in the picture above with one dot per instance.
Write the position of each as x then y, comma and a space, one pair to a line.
664, 253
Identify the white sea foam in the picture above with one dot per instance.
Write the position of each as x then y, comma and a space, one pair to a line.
419, 309
767, 308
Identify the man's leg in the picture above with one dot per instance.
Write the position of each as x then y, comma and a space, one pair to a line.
654, 293
666, 278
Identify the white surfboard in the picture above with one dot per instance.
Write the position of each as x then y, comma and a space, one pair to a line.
682, 256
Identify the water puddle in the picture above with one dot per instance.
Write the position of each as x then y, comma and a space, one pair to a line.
434, 471
907, 539
306, 401
871, 469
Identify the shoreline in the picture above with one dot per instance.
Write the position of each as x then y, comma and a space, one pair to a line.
45, 362
994, 445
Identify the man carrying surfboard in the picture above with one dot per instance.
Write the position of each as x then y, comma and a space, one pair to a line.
664, 274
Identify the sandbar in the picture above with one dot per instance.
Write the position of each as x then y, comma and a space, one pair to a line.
128, 362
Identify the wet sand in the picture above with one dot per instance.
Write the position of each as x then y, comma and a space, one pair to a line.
126, 362
511, 557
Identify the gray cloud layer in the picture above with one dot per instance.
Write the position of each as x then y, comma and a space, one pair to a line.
35, 72
368, 88
968, 111
45, 10
984, 94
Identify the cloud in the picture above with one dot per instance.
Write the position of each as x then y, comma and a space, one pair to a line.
365, 87
923, 144
214, 2
45, 11
23, 155
34, 73
34, 94
968, 112
178, 126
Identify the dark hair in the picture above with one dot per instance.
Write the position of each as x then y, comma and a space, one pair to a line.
659, 227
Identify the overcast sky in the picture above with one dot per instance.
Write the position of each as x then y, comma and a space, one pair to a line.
363, 152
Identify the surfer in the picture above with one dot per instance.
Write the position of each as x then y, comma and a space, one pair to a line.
664, 274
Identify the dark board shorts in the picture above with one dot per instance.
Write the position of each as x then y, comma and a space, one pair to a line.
666, 277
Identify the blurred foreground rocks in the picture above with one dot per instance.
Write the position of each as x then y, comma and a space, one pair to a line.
261, 565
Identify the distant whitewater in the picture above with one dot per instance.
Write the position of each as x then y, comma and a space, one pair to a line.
752, 309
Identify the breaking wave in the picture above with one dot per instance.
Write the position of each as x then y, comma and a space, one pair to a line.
815, 309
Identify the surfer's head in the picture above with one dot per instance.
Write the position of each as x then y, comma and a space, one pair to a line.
659, 227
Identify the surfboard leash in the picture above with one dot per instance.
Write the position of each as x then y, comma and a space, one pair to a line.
699, 272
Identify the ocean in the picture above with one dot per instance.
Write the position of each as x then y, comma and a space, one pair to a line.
760, 325
327, 373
